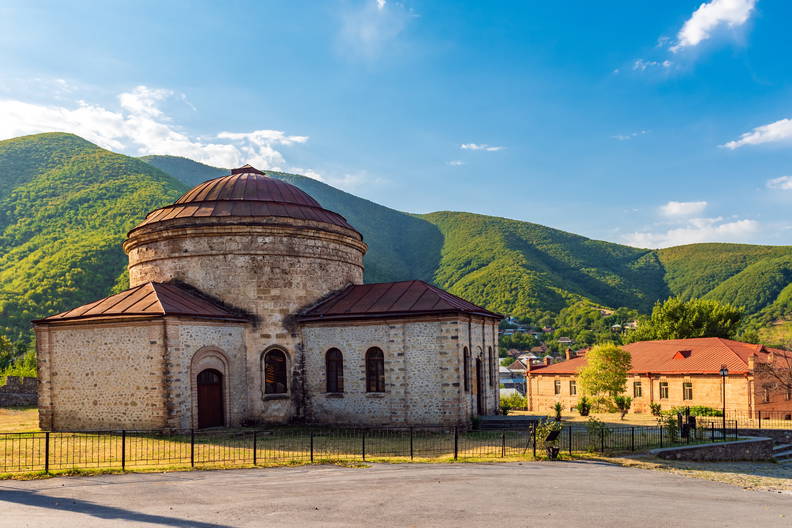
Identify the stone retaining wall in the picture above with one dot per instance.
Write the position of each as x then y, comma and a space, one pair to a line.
783, 436
19, 392
751, 448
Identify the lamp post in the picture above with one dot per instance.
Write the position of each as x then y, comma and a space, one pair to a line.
724, 372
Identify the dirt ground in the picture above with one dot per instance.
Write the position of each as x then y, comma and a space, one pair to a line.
18, 419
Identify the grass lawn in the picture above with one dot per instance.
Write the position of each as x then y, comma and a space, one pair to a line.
612, 419
18, 419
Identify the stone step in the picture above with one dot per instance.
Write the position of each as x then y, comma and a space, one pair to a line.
781, 455
782, 447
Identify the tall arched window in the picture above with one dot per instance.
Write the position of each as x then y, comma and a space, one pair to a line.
334, 367
493, 370
466, 368
375, 370
275, 372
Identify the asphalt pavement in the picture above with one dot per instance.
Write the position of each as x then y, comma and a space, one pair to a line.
558, 494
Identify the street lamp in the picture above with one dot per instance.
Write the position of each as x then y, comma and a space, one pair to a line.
724, 372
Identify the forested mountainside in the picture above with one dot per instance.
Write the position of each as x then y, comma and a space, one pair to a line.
66, 205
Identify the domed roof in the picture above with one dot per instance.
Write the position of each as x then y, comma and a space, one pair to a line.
246, 192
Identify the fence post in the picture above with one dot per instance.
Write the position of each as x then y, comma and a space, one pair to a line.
46, 451
735, 429
602, 441
363, 445
503, 444
123, 450
661, 436
312, 447
255, 448
760, 419
533, 439
192, 447
632, 438
456, 443
411, 443
712, 431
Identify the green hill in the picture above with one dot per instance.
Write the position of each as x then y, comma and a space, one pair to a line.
66, 205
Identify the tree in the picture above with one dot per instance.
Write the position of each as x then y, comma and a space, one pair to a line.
679, 319
605, 373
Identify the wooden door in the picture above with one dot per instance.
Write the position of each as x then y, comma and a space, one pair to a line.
210, 399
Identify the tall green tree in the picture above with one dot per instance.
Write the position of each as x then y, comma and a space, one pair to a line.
605, 373
679, 319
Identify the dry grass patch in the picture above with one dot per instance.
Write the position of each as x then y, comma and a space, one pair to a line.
18, 419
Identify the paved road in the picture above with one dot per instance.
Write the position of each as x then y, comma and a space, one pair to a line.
563, 494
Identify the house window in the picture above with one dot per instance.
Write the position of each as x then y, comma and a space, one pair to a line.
687, 391
637, 389
334, 367
766, 395
275, 372
557, 387
572, 387
789, 393
663, 390
375, 370
466, 369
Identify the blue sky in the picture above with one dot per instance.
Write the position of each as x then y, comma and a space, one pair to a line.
651, 124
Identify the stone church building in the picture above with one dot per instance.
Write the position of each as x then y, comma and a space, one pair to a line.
247, 305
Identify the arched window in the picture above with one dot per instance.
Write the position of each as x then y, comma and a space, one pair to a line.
466, 368
275, 372
492, 370
334, 367
375, 370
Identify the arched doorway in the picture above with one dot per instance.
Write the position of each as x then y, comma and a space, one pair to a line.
479, 388
210, 399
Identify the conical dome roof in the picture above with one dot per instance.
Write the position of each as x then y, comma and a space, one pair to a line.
246, 192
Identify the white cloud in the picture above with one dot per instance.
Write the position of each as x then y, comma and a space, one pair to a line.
711, 16
480, 146
455, 163
368, 31
697, 230
779, 131
783, 183
643, 65
625, 137
141, 127
682, 209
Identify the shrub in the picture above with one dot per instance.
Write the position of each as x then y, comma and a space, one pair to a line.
558, 408
512, 401
655, 409
698, 410
668, 421
623, 403
595, 429
583, 406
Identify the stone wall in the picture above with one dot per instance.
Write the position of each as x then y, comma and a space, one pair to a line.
423, 372
195, 345
706, 391
271, 271
781, 436
756, 448
19, 392
102, 376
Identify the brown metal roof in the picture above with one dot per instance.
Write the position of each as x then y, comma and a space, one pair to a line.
246, 192
391, 299
149, 299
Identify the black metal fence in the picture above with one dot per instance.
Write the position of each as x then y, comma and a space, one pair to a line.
45, 451
761, 419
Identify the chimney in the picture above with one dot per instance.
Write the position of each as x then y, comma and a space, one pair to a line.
771, 357
752, 362
569, 354
547, 360
528, 366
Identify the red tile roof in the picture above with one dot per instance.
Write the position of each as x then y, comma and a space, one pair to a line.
391, 299
703, 355
246, 192
149, 299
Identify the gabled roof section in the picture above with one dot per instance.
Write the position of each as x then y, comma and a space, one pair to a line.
703, 355
151, 299
391, 299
